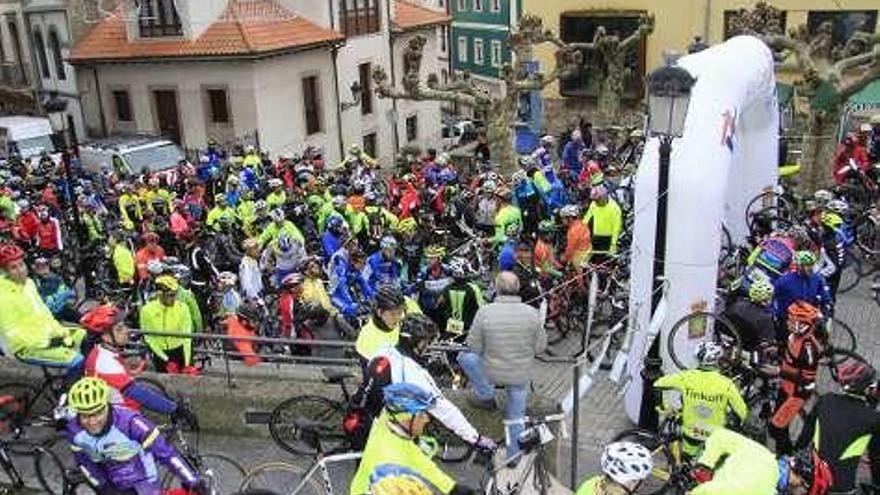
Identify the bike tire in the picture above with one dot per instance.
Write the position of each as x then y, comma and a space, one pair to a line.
852, 274
867, 234
28, 403
53, 476
842, 339
729, 337
280, 477
225, 473
314, 408
662, 472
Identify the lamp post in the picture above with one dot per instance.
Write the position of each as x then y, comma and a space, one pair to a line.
357, 95
669, 93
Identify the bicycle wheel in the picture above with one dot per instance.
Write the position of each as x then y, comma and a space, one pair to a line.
664, 464
225, 473
851, 275
699, 326
55, 478
29, 402
281, 477
867, 233
282, 424
841, 339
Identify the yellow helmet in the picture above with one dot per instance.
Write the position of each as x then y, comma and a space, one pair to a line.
89, 395
167, 283
407, 225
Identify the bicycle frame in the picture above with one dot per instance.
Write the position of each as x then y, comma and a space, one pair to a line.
321, 465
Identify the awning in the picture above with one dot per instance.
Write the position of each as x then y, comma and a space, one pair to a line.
784, 94
866, 99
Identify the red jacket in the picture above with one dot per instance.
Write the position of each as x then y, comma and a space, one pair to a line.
842, 157
285, 313
143, 256
49, 235
236, 328
27, 225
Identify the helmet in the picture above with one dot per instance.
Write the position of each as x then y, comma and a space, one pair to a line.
414, 330
519, 177
602, 149
10, 253
389, 297
805, 258
435, 251
856, 377
89, 395
167, 283
802, 312
249, 312
546, 227
569, 211
407, 398
249, 148
708, 353
182, 273
393, 480
513, 229
831, 220
547, 139
277, 215
813, 469
598, 192
626, 462
101, 318
292, 279
525, 163
354, 149
761, 291
220, 198
227, 278
336, 224
407, 225
155, 267
273, 183
837, 206
151, 238
339, 201
388, 242
823, 196
493, 176
489, 186
371, 197
285, 242
261, 204
233, 180
460, 267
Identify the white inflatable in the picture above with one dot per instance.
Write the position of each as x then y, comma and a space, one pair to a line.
727, 155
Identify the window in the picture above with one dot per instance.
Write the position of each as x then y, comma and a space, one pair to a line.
17, 51
478, 5
366, 88
370, 146
123, 106
444, 76
55, 46
581, 27
42, 59
412, 128
478, 51
496, 53
359, 17
462, 49
158, 18
312, 104
496, 5
444, 35
843, 23
462, 5
219, 106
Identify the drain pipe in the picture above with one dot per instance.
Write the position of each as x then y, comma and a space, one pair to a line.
334, 52
395, 136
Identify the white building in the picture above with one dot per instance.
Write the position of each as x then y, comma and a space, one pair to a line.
17, 78
278, 72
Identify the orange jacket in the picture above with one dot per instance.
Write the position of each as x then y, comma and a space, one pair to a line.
143, 256
577, 245
545, 260
235, 328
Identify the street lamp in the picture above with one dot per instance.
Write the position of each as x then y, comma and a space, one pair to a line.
669, 94
356, 96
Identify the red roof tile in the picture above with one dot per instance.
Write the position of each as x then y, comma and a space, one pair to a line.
408, 16
247, 27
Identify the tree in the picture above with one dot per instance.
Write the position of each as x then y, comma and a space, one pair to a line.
501, 111
829, 75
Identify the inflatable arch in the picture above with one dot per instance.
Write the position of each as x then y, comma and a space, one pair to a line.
727, 155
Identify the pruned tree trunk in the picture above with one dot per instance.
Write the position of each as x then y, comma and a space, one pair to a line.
817, 149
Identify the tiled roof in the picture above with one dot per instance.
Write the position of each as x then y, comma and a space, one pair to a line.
246, 28
409, 16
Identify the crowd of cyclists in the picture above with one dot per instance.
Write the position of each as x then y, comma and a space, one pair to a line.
235, 243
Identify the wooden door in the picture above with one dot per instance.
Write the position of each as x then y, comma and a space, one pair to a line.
166, 114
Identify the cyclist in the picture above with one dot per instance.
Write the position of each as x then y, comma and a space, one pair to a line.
404, 364
118, 449
383, 327
753, 317
834, 240
344, 276
383, 267
167, 314
800, 360
28, 331
625, 465
394, 439
546, 264
706, 396
507, 253
460, 300
577, 240
605, 221
842, 426
732, 464
506, 215
801, 285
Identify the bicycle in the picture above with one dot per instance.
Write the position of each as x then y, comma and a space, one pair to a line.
531, 463
671, 465
31, 401
43, 458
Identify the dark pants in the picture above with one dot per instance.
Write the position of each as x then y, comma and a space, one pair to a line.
174, 356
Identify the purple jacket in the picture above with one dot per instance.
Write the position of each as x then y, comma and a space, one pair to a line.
125, 454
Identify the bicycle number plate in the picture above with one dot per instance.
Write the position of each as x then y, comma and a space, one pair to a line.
545, 434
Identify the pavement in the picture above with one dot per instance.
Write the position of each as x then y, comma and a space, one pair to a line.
601, 414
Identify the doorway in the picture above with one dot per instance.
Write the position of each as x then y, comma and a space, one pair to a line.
166, 114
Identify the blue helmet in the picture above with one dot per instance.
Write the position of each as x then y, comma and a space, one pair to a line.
285, 242
335, 224
408, 398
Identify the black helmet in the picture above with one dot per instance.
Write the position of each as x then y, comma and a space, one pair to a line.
415, 331
250, 312
314, 312
389, 297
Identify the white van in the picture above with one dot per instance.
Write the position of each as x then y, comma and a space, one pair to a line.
27, 136
129, 155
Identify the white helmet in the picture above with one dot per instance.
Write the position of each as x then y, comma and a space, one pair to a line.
547, 139
708, 353
155, 267
227, 278
837, 206
569, 211
823, 196
626, 462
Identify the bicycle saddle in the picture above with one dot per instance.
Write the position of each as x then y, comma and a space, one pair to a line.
336, 376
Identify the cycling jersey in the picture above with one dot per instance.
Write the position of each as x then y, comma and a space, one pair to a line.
458, 306
577, 244
793, 287
106, 364
389, 444
176, 319
124, 455
706, 396
605, 223
27, 327
374, 336
507, 215
379, 271
841, 428
741, 466
754, 322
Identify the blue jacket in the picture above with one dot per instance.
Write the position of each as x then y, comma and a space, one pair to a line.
379, 271
330, 244
343, 275
793, 287
571, 156
507, 256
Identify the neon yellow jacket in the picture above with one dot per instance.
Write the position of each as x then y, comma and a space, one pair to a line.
247, 214
384, 446
124, 202
607, 221
357, 220
157, 317
706, 396
507, 215
313, 290
218, 213
276, 199
748, 467
254, 162
25, 321
272, 231
123, 260
371, 339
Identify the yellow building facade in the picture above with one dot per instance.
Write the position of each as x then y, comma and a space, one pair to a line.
676, 22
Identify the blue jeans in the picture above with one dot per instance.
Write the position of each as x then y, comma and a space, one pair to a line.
517, 395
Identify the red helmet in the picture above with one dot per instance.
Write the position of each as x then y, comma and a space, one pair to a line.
856, 377
10, 253
803, 312
101, 319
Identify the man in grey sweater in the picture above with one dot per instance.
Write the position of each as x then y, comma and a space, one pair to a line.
503, 340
